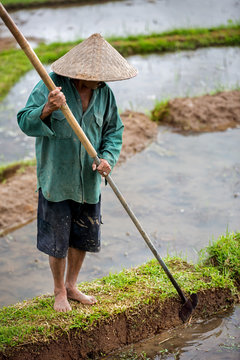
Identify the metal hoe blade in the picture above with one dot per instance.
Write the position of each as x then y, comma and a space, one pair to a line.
188, 307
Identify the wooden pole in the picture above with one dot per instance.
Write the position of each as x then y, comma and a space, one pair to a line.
47, 80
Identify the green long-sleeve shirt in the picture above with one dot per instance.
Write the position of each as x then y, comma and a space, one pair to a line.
64, 169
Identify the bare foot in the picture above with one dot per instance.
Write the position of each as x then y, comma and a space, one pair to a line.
61, 302
75, 294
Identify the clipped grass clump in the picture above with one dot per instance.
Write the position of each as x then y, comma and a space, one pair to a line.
125, 292
224, 254
160, 111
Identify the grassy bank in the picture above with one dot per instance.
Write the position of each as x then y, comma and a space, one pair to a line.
27, 4
14, 63
128, 293
224, 254
8, 170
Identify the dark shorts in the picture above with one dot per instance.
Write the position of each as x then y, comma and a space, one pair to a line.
67, 224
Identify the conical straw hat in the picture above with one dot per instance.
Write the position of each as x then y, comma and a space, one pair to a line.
94, 60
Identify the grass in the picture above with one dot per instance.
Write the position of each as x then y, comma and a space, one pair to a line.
125, 292
14, 63
10, 169
20, 4
224, 254
160, 111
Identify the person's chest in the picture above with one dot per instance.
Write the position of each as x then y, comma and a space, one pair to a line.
85, 99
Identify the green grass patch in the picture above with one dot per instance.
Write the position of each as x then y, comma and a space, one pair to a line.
224, 254
35, 320
9, 170
24, 4
14, 63
9, 3
160, 111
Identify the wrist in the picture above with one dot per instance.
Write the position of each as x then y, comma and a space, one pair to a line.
47, 110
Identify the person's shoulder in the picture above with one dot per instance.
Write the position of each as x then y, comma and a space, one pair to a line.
108, 91
58, 79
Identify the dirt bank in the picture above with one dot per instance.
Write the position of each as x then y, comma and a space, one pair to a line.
123, 329
18, 203
201, 114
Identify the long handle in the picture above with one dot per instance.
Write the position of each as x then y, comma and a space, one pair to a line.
82, 137
46, 78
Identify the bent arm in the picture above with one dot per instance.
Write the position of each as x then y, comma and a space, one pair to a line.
34, 119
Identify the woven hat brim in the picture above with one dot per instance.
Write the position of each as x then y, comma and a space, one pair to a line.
94, 60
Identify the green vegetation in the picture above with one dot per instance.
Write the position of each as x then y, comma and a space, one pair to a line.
19, 166
20, 4
14, 63
125, 292
133, 355
180, 39
160, 111
224, 254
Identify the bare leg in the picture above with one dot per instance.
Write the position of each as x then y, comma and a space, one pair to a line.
58, 268
75, 261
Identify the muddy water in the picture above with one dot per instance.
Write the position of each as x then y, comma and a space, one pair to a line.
121, 18
160, 77
217, 338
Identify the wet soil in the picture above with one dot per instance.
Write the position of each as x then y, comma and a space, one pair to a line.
125, 328
204, 113
18, 194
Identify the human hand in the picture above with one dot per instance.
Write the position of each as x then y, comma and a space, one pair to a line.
103, 168
55, 99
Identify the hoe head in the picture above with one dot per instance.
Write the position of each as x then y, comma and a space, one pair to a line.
188, 307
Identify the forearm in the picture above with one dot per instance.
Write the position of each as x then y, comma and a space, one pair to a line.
31, 124
46, 112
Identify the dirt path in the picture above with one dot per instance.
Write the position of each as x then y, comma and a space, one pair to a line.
18, 195
204, 113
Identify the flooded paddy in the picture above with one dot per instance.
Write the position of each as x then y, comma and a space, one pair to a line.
187, 73
65, 23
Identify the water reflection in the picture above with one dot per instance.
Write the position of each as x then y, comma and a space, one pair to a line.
160, 77
217, 338
121, 18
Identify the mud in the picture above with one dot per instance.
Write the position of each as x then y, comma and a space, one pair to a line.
18, 195
123, 329
204, 113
